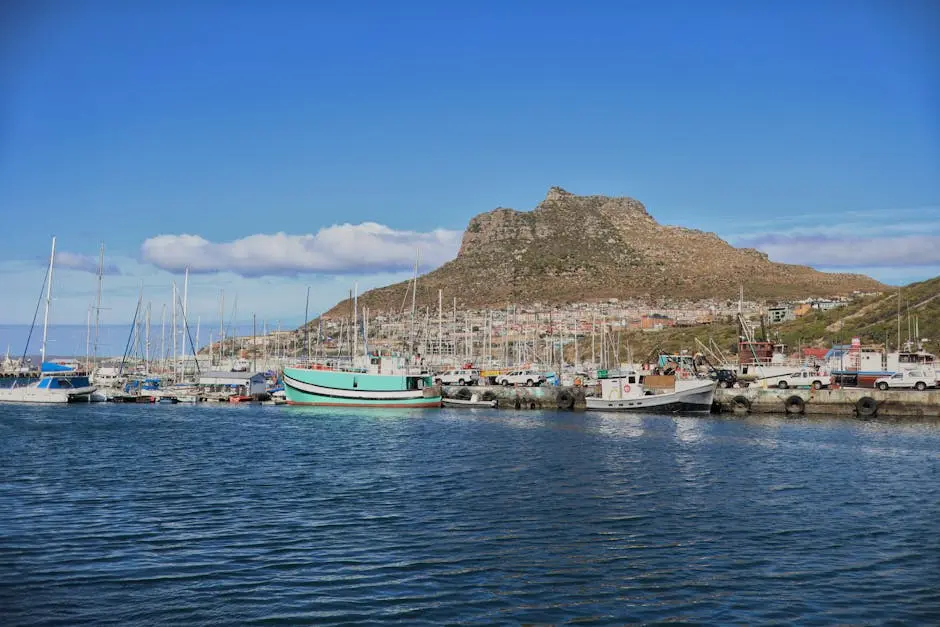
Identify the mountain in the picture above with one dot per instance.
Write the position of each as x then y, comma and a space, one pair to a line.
580, 248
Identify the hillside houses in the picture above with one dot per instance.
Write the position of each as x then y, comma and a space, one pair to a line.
791, 311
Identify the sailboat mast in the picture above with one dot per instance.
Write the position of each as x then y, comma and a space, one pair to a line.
440, 326
45, 318
355, 321
899, 319
307, 326
147, 340
163, 336
88, 339
221, 323
414, 294
184, 323
175, 352
94, 354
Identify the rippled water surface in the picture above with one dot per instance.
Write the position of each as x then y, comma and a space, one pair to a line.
233, 515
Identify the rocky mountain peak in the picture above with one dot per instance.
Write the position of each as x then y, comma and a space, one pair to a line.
557, 193
577, 248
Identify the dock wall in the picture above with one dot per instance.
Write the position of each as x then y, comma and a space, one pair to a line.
858, 403
850, 402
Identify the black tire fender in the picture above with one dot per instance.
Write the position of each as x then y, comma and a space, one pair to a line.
565, 400
741, 403
866, 407
795, 405
517, 403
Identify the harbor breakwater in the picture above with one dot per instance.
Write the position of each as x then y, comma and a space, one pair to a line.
859, 403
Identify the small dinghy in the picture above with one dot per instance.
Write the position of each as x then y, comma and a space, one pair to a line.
473, 401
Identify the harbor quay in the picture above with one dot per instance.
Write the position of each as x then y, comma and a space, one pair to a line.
859, 403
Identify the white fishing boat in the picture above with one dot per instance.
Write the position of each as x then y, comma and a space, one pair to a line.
473, 401
631, 391
58, 382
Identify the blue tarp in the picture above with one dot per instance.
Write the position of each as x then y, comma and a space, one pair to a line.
51, 366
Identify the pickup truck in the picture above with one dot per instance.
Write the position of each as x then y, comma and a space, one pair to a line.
458, 377
521, 377
802, 378
907, 379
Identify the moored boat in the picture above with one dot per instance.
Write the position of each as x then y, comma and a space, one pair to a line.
473, 401
660, 393
58, 382
381, 381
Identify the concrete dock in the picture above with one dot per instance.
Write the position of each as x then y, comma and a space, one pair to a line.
860, 403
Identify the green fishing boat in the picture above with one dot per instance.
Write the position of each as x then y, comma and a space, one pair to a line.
376, 381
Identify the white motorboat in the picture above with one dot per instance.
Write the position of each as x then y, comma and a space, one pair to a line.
655, 393
473, 401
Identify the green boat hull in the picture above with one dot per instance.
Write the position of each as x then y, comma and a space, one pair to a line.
340, 388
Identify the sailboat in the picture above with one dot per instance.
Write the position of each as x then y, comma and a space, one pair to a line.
58, 382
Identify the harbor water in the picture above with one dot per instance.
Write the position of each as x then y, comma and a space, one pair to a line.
176, 514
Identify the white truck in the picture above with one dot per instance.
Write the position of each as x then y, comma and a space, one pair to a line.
907, 379
521, 377
463, 376
801, 379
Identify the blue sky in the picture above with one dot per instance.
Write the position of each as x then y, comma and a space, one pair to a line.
360, 130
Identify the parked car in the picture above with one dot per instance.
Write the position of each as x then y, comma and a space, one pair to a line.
521, 377
464, 376
726, 378
907, 379
803, 378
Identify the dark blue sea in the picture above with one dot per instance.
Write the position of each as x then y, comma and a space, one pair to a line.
117, 514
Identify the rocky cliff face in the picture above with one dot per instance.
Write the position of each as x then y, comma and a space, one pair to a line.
578, 248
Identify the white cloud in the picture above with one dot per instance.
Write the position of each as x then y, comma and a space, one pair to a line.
82, 263
337, 249
850, 252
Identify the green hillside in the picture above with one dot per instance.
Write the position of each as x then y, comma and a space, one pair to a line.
874, 319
